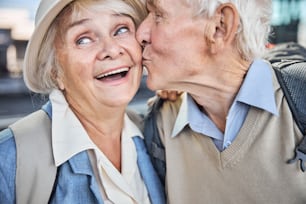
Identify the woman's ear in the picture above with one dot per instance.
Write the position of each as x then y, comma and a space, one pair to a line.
58, 80
60, 84
226, 24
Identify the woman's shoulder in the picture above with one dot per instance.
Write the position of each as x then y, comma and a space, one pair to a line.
136, 118
7, 148
5, 135
7, 166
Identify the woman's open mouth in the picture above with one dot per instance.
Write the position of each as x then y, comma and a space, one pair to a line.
114, 75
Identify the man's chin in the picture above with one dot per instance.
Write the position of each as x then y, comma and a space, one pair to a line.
152, 85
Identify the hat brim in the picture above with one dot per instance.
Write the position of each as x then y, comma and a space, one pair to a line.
46, 13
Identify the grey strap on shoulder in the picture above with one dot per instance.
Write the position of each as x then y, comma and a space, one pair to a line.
136, 118
36, 171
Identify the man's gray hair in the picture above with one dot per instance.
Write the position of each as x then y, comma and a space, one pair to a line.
254, 28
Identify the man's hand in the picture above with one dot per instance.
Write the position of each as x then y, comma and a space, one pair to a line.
170, 95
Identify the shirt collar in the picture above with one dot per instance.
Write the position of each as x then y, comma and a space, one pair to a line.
257, 90
182, 117
68, 135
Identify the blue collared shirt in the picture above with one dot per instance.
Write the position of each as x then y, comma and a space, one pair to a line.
256, 91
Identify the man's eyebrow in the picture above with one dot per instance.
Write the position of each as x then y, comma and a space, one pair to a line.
151, 4
155, 5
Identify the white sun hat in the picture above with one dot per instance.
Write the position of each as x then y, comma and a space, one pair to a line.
46, 13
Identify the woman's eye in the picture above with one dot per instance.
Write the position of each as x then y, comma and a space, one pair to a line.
122, 30
83, 41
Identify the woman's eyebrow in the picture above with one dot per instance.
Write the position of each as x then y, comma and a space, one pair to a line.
83, 21
79, 22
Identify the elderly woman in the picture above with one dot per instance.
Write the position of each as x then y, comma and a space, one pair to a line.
84, 54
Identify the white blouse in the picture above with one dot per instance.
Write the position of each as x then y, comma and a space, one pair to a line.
69, 138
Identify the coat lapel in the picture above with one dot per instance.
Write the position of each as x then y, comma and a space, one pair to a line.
150, 177
81, 165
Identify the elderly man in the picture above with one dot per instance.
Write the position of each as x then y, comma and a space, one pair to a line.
229, 138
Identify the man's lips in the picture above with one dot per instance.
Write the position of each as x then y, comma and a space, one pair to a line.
145, 59
146, 55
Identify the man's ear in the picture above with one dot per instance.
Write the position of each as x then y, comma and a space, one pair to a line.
226, 21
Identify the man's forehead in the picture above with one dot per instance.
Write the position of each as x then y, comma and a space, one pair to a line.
161, 3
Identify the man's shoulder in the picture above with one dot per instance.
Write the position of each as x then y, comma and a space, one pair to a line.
163, 106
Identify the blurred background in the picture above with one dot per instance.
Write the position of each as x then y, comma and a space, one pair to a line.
17, 24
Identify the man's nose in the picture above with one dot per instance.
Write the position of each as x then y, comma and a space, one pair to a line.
143, 33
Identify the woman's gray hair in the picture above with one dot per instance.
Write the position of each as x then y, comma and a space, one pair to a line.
254, 28
43, 80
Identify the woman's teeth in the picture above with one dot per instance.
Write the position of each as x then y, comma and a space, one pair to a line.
122, 72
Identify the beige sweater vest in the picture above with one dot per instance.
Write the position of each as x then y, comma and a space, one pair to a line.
252, 170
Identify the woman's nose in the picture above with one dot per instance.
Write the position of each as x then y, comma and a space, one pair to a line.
110, 49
